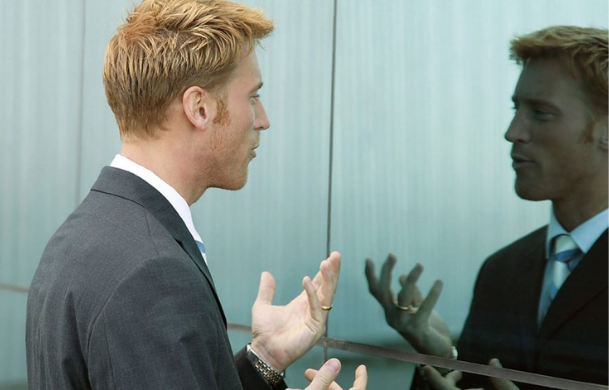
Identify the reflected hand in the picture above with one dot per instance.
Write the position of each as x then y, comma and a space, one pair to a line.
324, 378
282, 334
501, 384
449, 381
438, 382
419, 324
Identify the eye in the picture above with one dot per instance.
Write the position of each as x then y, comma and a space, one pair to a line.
542, 115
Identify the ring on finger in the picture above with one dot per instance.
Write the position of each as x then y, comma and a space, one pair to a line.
407, 309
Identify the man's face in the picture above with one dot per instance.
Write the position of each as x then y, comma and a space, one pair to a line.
236, 129
556, 148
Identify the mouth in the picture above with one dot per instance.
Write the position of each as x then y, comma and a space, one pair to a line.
520, 162
254, 151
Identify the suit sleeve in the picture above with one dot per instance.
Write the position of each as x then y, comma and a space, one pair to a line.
161, 329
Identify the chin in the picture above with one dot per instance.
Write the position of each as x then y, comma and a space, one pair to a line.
528, 192
235, 184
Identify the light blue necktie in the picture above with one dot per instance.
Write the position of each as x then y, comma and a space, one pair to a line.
201, 246
202, 249
563, 261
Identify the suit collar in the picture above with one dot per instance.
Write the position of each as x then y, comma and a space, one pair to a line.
168, 192
126, 185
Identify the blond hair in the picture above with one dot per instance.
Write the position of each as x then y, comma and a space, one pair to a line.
166, 46
585, 50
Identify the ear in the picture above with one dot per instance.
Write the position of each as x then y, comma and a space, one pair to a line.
196, 103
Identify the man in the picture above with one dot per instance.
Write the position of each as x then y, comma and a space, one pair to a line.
123, 298
540, 304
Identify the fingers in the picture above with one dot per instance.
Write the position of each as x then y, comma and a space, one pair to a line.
430, 301
314, 303
266, 290
361, 378
326, 280
330, 268
384, 293
373, 281
324, 378
439, 382
501, 384
410, 294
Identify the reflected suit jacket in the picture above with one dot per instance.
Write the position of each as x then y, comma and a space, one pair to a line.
122, 299
572, 339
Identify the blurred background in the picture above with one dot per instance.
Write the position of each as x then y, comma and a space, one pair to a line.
387, 122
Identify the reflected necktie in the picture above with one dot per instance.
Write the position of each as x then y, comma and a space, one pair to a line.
565, 252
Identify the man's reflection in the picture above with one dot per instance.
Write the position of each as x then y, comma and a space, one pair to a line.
539, 304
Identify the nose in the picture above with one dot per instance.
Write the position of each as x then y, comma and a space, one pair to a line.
262, 121
517, 131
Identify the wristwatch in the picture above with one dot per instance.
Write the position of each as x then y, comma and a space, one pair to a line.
264, 369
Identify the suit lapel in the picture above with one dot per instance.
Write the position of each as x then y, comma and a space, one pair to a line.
586, 281
126, 185
528, 285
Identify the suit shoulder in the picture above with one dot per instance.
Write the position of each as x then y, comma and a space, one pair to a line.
516, 255
524, 245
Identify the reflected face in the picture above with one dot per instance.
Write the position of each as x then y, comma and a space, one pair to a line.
556, 149
235, 132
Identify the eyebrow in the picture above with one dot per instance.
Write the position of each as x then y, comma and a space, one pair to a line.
533, 101
257, 87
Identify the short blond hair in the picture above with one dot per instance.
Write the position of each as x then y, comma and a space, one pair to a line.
585, 49
167, 46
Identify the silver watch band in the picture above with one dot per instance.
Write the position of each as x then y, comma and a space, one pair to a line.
264, 369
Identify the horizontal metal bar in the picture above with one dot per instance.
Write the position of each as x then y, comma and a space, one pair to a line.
473, 368
14, 288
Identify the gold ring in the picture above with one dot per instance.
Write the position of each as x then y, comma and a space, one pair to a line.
326, 308
407, 309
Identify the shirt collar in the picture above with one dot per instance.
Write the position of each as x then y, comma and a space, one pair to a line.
176, 200
585, 235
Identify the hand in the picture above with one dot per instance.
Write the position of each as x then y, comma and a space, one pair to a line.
438, 382
449, 381
421, 326
501, 384
282, 334
324, 378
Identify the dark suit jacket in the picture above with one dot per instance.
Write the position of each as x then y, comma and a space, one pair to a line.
572, 340
122, 299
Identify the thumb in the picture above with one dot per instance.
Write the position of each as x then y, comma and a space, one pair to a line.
266, 290
323, 378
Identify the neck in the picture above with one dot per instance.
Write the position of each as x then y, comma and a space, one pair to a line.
167, 160
572, 214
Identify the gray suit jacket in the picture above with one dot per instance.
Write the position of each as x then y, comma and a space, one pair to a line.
122, 299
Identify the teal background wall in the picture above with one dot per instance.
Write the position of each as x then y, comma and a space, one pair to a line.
409, 124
